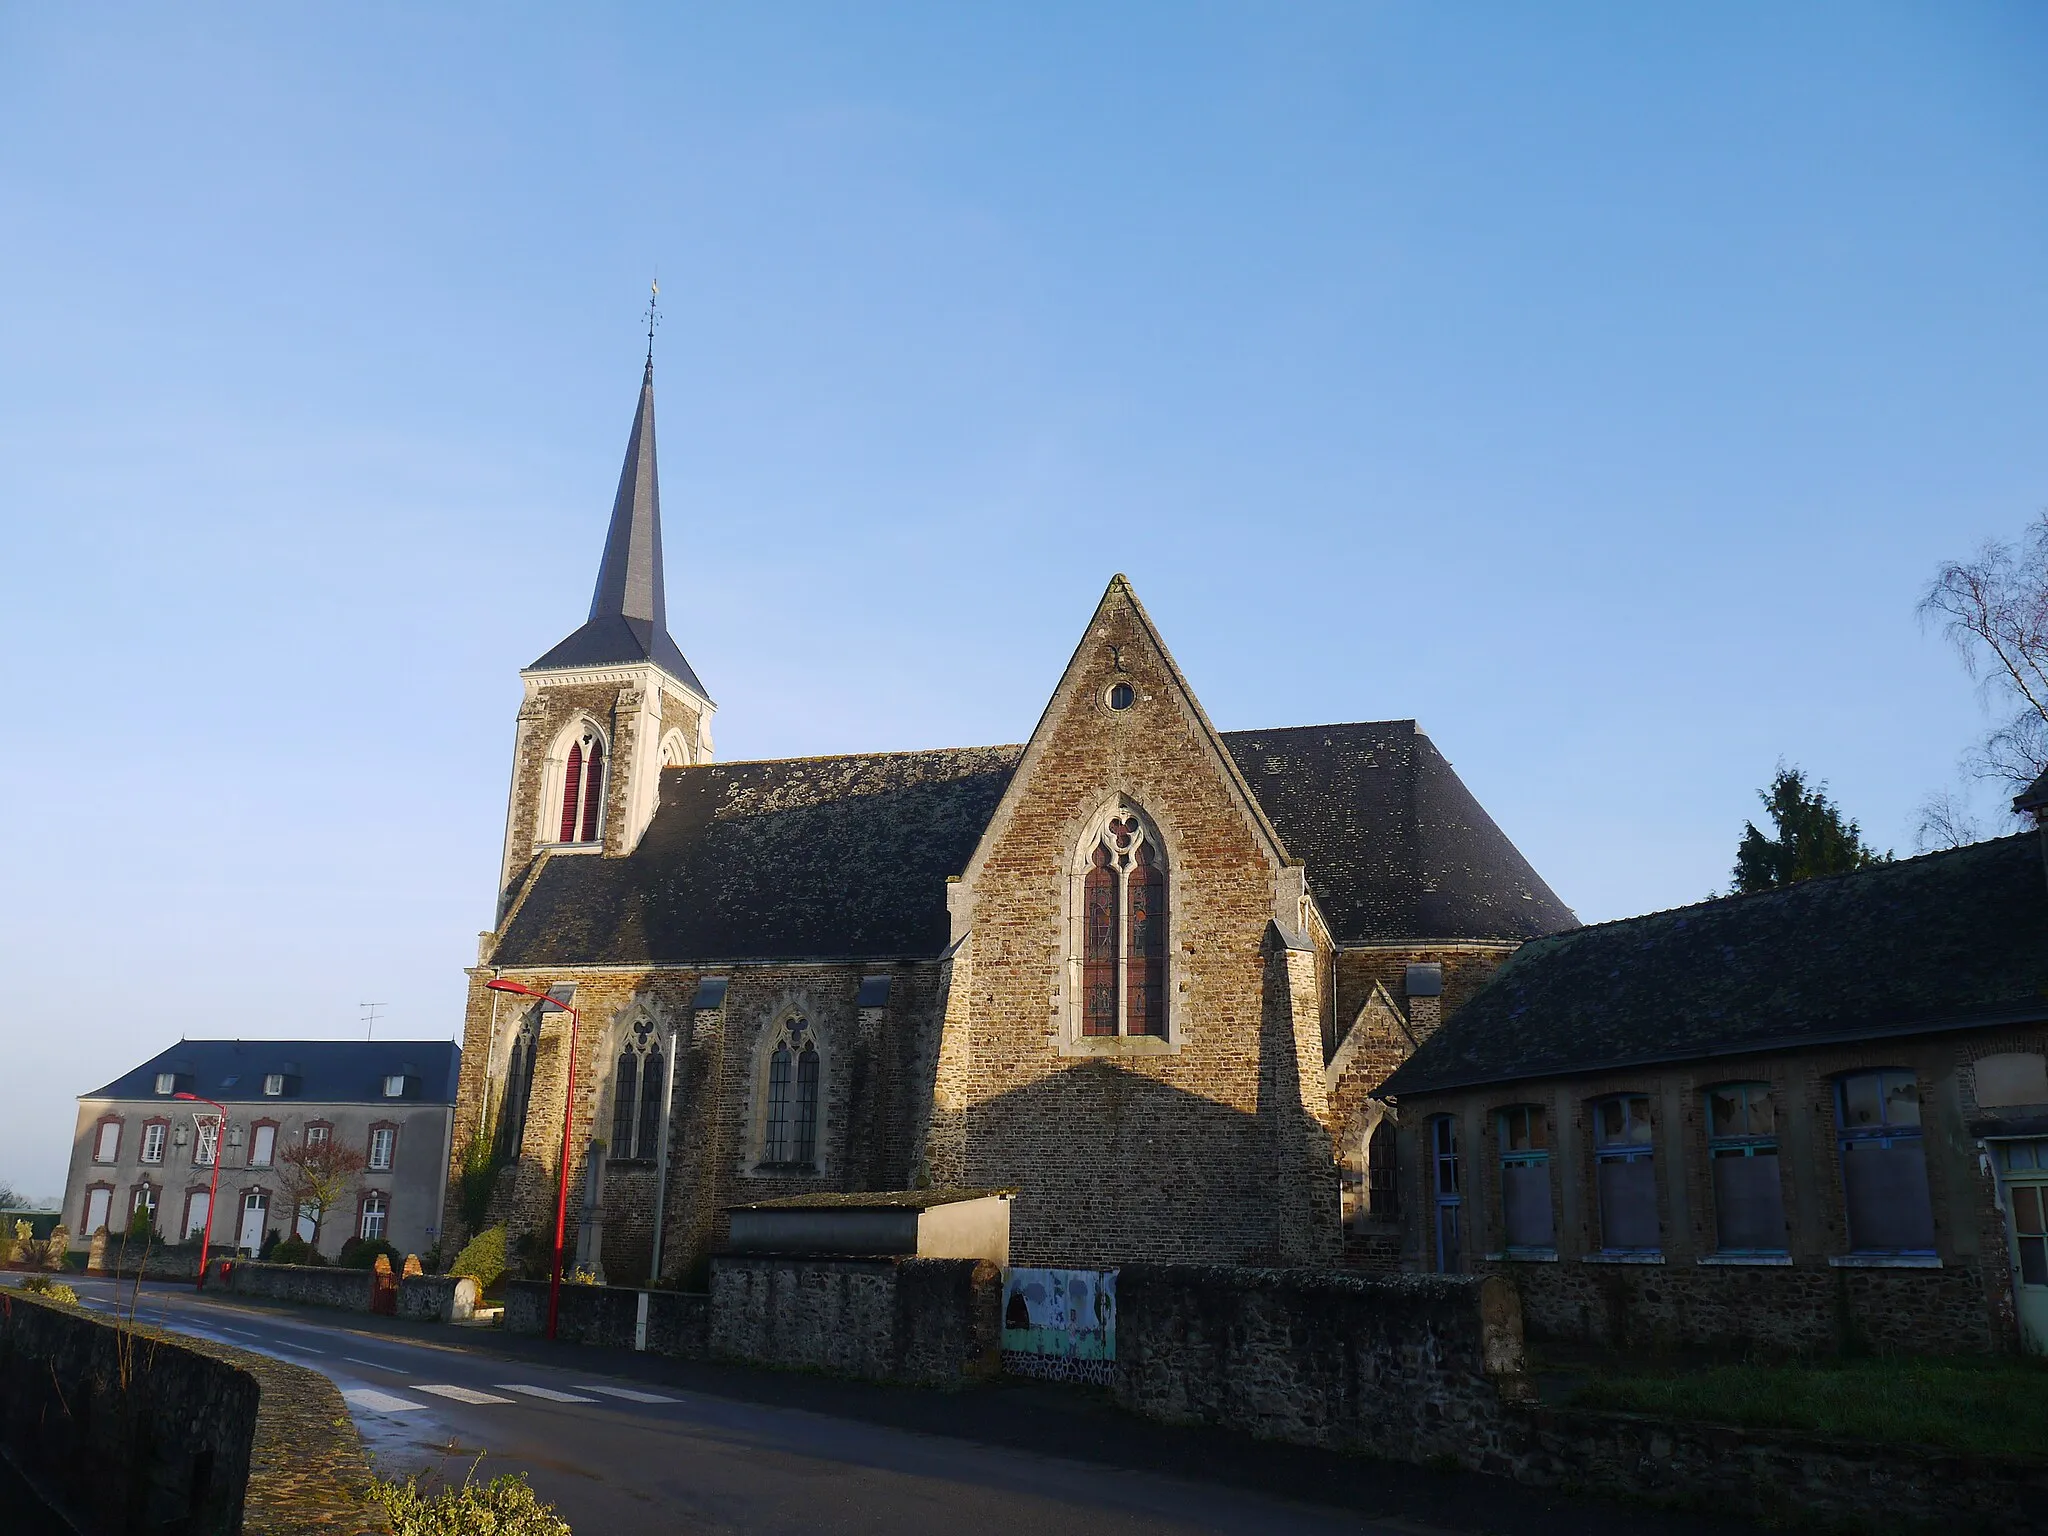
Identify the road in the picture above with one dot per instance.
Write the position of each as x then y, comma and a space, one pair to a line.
625, 1443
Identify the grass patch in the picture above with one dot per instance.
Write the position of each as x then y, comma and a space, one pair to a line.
1989, 1407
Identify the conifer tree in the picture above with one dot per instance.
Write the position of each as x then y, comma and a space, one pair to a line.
1812, 838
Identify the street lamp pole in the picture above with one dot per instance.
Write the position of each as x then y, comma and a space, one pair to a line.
568, 1112
220, 1136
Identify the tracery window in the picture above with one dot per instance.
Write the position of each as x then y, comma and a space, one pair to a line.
1123, 978
790, 1121
637, 1090
518, 1085
582, 802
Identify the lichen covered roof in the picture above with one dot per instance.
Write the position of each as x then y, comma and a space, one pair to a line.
1948, 940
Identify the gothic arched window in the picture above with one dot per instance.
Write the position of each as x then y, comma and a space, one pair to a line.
1123, 957
637, 1089
582, 796
790, 1119
518, 1086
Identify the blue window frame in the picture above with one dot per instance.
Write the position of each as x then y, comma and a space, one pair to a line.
1742, 1153
1526, 1212
1450, 1199
1884, 1164
1624, 1156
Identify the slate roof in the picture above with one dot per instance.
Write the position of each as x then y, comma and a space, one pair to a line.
1395, 844
1948, 940
846, 858
628, 607
323, 1071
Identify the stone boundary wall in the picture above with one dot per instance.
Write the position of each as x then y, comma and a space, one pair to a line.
308, 1284
124, 1428
437, 1298
1410, 1367
176, 1261
916, 1322
1794, 1309
678, 1322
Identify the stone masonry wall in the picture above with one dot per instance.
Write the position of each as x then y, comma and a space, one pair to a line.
917, 1322
1409, 1367
308, 1284
1071, 1121
678, 1322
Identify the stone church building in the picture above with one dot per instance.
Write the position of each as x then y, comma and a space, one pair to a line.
1141, 971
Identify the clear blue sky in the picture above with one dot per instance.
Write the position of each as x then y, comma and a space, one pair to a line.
1599, 385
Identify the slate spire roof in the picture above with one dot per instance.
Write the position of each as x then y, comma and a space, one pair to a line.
629, 610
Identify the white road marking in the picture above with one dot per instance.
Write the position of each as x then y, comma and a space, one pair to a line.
378, 1402
240, 1332
547, 1392
376, 1365
462, 1394
627, 1393
299, 1349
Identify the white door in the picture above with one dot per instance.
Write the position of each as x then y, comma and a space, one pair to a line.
195, 1214
254, 1205
97, 1203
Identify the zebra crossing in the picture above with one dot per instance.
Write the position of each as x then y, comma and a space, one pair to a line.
378, 1400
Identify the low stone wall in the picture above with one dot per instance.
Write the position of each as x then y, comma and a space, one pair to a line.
122, 1428
1793, 1309
437, 1298
677, 1322
177, 1262
1779, 1477
922, 1322
308, 1284
1411, 1367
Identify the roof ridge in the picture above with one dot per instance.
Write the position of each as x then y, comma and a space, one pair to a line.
835, 757
1869, 871
1332, 725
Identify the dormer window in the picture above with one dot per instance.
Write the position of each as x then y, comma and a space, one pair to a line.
394, 1087
273, 1085
166, 1084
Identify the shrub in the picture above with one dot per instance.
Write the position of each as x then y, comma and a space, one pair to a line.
50, 1290
296, 1250
478, 1180
363, 1253
504, 1506
484, 1259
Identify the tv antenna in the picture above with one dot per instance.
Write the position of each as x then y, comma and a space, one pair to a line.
370, 1016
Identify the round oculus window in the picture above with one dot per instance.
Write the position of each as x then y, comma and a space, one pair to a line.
1120, 696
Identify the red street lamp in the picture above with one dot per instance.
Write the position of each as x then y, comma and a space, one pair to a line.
220, 1131
568, 1109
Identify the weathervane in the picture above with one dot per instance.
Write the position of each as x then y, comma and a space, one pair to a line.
653, 316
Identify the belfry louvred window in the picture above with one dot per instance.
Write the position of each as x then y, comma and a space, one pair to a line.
582, 789
1123, 932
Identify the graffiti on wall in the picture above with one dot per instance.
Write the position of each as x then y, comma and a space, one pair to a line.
1060, 1323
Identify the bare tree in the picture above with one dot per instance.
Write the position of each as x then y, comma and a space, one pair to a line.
317, 1177
1946, 822
10, 1201
1994, 610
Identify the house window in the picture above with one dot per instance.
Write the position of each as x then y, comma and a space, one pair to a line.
99, 1202
637, 1088
106, 1142
583, 788
273, 1085
1884, 1167
1122, 963
371, 1223
1742, 1147
197, 1203
262, 1145
383, 1140
153, 1135
1382, 1173
1626, 1166
1450, 1201
1525, 1179
790, 1132
394, 1087
317, 1134
166, 1084
143, 1203
207, 1144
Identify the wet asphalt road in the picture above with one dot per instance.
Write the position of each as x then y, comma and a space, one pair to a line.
625, 1443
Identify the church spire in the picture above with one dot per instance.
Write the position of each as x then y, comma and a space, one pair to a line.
628, 610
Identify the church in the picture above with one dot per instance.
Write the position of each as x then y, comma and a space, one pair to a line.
1141, 972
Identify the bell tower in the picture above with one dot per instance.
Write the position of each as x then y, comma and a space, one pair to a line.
613, 704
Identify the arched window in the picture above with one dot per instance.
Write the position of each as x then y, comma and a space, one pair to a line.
518, 1086
637, 1089
1123, 929
582, 791
1382, 1173
790, 1121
